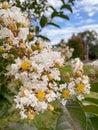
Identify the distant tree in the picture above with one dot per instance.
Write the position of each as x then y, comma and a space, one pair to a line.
76, 43
90, 42
93, 51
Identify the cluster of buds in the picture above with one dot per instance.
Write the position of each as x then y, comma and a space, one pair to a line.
14, 29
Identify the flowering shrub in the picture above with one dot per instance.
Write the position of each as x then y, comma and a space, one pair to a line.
36, 67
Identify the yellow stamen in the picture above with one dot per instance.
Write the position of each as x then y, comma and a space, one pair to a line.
41, 95
80, 87
66, 93
25, 65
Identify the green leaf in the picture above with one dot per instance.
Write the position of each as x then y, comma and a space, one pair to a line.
91, 109
73, 118
77, 115
94, 121
53, 24
43, 21
71, 1
7, 96
62, 123
63, 16
66, 6
54, 14
92, 100
89, 124
44, 38
4, 108
58, 110
53, 8
20, 126
94, 87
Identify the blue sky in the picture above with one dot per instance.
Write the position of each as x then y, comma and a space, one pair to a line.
84, 17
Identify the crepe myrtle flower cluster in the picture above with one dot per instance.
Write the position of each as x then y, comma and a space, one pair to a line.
37, 69
39, 75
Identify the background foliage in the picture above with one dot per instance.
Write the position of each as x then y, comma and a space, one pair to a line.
85, 45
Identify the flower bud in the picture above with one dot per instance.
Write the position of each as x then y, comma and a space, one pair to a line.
15, 33
12, 26
58, 64
35, 69
40, 47
37, 43
50, 76
31, 114
10, 57
22, 46
50, 107
67, 75
30, 35
79, 73
33, 47
29, 51
2, 50
5, 5
9, 41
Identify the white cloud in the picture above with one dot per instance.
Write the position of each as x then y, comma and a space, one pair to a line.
91, 14
86, 21
55, 3
65, 33
88, 6
88, 2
